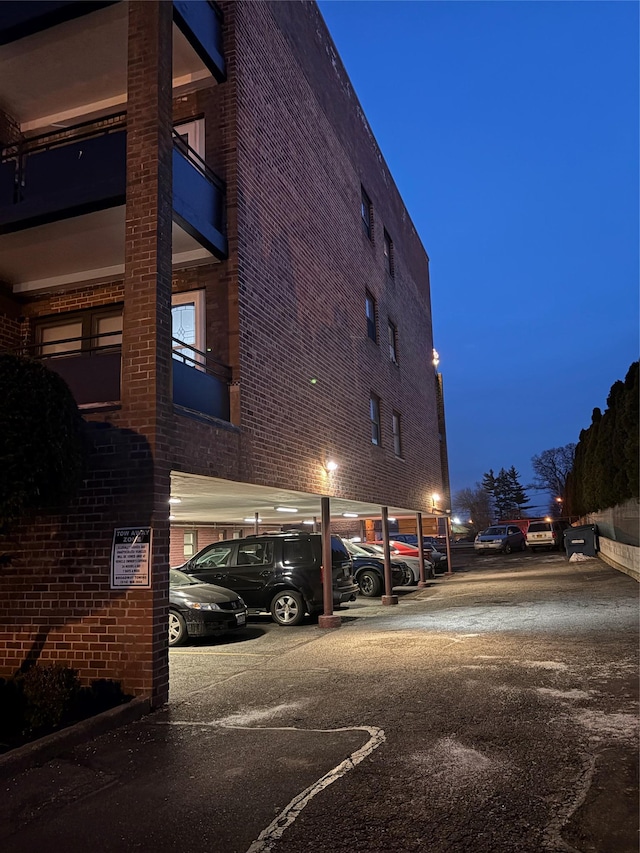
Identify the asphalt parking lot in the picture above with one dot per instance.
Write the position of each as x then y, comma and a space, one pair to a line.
495, 709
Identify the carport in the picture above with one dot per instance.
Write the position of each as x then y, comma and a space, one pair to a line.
250, 508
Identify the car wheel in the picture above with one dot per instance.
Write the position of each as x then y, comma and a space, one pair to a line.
507, 548
177, 629
287, 608
369, 583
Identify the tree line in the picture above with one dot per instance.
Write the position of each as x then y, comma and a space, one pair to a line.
605, 466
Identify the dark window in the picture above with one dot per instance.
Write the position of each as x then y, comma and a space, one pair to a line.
388, 253
297, 552
80, 331
374, 414
254, 554
370, 311
366, 213
216, 555
393, 342
397, 437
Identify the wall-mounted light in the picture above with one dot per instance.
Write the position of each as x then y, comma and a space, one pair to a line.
436, 358
330, 466
435, 497
285, 509
455, 520
350, 515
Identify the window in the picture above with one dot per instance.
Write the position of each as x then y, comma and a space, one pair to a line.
366, 213
187, 325
397, 438
374, 414
81, 332
213, 557
254, 554
189, 543
393, 341
388, 253
370, 311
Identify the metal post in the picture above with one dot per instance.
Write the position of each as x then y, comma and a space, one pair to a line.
315, 524
256, 528
327, 619
422, 582
387, 598
448, 525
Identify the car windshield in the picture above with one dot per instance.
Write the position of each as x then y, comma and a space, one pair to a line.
355, 550
539, 526
177, 578
495, 531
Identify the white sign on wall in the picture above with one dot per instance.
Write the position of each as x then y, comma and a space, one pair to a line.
131, 557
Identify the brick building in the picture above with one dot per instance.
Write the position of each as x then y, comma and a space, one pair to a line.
200, 234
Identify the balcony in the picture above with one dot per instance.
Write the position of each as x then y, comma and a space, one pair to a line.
65, 192
92, 365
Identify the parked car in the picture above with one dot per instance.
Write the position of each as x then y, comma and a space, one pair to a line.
277, 573
368, 571
546, 534
503, 538
412, 562
201, 609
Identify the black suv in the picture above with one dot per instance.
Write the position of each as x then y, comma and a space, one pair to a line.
276, 572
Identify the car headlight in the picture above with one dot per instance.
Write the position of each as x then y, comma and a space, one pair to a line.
199, 605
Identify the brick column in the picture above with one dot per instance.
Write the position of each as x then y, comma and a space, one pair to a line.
146, 343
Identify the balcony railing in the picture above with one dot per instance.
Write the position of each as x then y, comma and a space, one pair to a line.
200, 382
84, 169
63, 173
92, 367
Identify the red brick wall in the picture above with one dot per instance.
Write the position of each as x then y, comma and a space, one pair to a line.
304, 263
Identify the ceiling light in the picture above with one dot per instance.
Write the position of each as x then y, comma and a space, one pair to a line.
309, 521
259, 520
349, 514
330, 465
175, 500
285, 509
391, 519
172, 518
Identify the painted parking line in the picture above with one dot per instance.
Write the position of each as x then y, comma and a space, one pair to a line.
275, 830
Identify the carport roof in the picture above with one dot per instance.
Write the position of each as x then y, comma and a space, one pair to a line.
212, 500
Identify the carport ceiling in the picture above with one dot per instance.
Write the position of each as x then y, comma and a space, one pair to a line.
210, 500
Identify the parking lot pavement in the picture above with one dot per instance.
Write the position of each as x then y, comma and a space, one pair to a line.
496, 710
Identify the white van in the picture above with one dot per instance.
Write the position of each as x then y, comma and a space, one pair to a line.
546, 534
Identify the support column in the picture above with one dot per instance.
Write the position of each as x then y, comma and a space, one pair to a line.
388, 597
448, 529
327, 620
422, 582
147, 411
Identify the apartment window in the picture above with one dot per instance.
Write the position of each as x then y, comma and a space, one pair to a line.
366, 213
80, 332
392, 333
374, 414
190, 543
397, 435
370, 311
388, 253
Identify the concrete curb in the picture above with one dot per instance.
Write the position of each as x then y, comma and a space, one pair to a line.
46, 748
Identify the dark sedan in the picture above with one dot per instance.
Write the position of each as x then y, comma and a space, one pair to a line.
368, 571
199, 609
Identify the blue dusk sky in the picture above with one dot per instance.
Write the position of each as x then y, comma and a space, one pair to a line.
511, 130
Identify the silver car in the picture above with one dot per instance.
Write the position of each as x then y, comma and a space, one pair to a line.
500, 538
